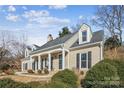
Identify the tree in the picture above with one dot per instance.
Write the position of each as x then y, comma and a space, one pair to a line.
12, 48
5, 42
64, 32
111, 42
111, 18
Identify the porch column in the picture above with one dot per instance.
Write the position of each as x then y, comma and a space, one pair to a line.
22, 66
39, 62
35, 61
49, 62
101, 51
63, 59
30, 63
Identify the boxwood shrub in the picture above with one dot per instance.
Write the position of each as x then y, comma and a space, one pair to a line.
66, 76
102, 74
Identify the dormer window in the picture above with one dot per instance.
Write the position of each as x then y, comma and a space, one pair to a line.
84, 36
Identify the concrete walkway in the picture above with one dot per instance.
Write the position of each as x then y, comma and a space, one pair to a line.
29, 75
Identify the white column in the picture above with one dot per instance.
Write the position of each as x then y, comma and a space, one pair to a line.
22, 66
63, 59
39, 62
35, 65
68, 61
49, 61
101, 51
30, 63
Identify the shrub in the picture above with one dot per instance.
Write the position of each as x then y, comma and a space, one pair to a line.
66, 76
101, 75
46, 71
56, 84
82, 72
39, 71
120, 69
30, 71
8, 83
9, 72
4, 67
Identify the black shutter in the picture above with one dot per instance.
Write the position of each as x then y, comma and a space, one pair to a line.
78, 61
89, 59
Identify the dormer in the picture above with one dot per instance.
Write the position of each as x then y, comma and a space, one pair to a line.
85, 34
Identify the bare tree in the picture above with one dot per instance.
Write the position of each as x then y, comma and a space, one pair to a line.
111, 18
12, 47
5, 42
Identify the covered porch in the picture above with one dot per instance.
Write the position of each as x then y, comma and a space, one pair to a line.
54, 60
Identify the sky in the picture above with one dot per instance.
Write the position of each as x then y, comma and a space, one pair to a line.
36, 22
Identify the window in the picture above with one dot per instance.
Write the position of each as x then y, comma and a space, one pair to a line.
84, 36
83, 60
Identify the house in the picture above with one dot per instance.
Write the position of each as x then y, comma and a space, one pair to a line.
79, 50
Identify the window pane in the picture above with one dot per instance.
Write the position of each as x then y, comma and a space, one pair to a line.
83, 64
84, 35
84, 38
83, 56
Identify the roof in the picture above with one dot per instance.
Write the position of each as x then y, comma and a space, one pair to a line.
97, 37
28, 47
36, 46
56, 41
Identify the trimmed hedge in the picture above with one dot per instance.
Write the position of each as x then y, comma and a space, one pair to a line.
102, 74
67, 77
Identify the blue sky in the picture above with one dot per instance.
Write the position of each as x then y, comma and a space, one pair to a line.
39, 21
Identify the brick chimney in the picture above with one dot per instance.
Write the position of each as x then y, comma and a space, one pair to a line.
49, 38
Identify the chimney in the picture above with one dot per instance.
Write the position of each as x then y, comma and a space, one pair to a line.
49, 38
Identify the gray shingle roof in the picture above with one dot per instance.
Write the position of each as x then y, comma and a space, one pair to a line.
56, 41
97, 36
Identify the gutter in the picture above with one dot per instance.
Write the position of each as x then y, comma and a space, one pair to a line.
40, 50
85, 45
